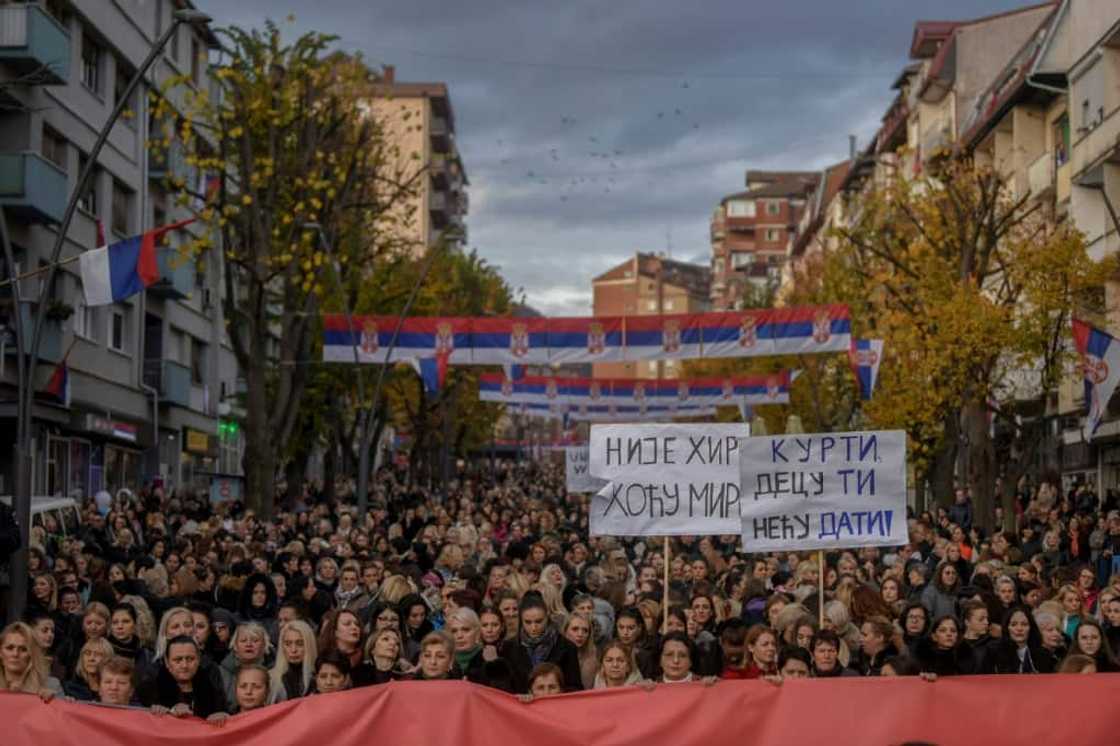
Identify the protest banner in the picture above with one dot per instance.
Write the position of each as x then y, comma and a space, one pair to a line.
823, 491
575, 468
844, 711
666, 479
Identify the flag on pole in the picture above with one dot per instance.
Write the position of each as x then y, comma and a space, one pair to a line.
121, 270
1100, 370
432, 371
100, 234
745, 410
865, 356
58, 387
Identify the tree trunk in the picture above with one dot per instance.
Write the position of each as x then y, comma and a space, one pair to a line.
942, 468
981, 463
260, 458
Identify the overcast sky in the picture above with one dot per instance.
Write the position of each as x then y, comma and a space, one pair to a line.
591, 129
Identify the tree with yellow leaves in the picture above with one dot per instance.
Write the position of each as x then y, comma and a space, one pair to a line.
302, 188
972, 289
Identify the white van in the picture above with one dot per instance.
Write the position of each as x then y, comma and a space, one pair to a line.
65, 510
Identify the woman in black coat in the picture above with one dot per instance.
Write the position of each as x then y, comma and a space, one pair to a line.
1020, 648
942, 652
539, 641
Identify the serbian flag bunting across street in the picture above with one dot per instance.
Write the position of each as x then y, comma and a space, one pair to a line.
119, 271
1100, 367
865, 356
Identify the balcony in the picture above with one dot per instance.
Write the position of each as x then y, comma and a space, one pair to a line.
171, 163
171, 379
1098, 143
936, 138
176, 274
32, 187
437, 207
439, 171
440, 134
50, 346
1040, 175
34, 44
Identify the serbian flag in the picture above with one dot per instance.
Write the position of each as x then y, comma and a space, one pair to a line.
432, 371
513, 372
121, 270
58, 387
865, 355
1100, 367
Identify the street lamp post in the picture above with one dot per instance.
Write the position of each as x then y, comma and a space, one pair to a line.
28, 364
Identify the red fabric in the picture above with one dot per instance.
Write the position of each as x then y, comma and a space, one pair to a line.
1013, 710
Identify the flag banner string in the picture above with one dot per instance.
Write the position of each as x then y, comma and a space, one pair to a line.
555, 341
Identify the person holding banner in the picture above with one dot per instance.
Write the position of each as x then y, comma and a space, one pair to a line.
539, 641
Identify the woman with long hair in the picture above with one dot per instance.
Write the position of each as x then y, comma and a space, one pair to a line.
577, 630
761, 652
1090, 640
616, 667
124, 638
83, 686
383, 659
294, 669
940, 596
342, 633
942, 652
1019, 649
22, 665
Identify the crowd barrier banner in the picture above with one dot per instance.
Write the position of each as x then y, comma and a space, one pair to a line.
666, 480
772, 388
823, 491
542, 341
989, 710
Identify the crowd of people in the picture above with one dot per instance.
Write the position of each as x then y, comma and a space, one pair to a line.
191, 609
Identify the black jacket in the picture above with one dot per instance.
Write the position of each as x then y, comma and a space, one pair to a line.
563, 654
206, 698
1003, 658
956, 662
496, 674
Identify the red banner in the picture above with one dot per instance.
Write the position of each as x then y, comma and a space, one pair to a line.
1012, 710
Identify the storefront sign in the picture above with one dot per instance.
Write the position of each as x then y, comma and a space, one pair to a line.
112, 428
196, 441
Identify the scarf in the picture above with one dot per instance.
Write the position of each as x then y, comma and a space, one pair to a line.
345, 597
539, 648
463, 657
125, 648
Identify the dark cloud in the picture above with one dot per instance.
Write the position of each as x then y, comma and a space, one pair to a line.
591, 129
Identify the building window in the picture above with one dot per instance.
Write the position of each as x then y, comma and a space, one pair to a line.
719, 265
741, 259
198, 362
773, 234
198, 62
91, 64
54, 146
88, 200
85, 321
1061, 141
117, 331
122, 208
651, 306
773, 208
120, 85
668, 305
741, 208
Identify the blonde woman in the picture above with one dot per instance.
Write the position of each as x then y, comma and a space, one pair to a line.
250, 645
294, 668
23, 668
383, 661
616, 667
554, 575
394, 588
577, 629
176, 622
553, 601
85, 686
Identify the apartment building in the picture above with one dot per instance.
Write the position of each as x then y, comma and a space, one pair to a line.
152, 378
750, 232
418, 119
649, 284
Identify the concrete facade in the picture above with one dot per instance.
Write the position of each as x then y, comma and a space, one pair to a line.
163, 351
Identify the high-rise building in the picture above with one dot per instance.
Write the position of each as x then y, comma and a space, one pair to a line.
751, 231
160, 356
417, 118
648, 284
